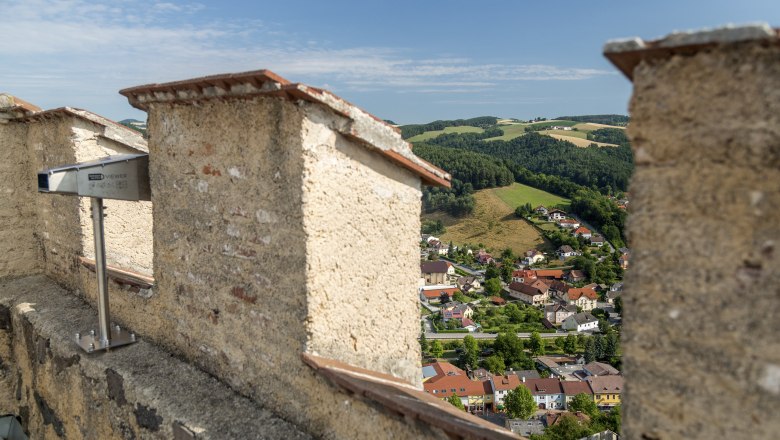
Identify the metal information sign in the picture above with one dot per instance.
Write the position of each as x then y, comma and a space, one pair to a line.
120, 177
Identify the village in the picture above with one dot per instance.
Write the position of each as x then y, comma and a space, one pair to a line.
546, 322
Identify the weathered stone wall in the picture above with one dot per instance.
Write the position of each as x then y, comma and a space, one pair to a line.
138, 391
237, 269
59, 219
19, 241
362, 222
701, 353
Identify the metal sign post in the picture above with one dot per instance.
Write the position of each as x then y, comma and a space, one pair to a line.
124, 177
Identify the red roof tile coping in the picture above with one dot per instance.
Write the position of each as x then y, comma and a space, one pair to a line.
367, 129
396, 396
10, 102
114, 130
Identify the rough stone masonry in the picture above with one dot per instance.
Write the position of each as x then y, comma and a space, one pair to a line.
702, 357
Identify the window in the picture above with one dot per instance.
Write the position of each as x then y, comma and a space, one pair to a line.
453, 389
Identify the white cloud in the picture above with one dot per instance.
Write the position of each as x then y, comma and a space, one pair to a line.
92, 47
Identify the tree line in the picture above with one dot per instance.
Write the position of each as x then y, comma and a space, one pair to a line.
598, 119
411, 130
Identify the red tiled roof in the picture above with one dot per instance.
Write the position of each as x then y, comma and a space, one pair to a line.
508, 382
544, 386
365, 128
463, 386
497, 300
550, 273
575, 294
581, 230
435, 293
442, 368
574, 387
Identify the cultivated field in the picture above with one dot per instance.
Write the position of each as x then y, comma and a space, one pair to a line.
432, 134
590, 126
518, 194
510, 132
580, 142
493, 223
570, 133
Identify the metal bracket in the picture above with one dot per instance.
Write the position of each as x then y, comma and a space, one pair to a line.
90, 341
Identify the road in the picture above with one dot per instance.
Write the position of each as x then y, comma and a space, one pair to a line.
447, 336
468, 270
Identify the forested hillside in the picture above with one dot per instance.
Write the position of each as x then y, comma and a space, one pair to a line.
408, 131
599, 119
470, 171
605, 169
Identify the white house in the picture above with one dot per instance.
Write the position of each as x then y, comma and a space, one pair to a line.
555, 214
581, 322
547, 393
567, 251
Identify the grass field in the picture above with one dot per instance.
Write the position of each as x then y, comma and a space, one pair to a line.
432, 134
510, 132
518, 194
493, 223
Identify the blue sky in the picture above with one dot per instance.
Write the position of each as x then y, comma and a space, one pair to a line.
409, 61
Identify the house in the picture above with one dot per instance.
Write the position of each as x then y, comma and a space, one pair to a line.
521, 276
455, 310
606, 390
547, 393
584, 298
581, 322
436, 272
614, 292
597, 240
528, 374
438, 369
575, 276
497, 300
568, 223
433, 294
583, 232
474, 394
600, 369
555, 215
541, 210
470, 325
549, 274
567, 251
535, 293
483, 257
533, 257
503, 385
623, 261
573, 387
468, 284
563, 367
557, 313
525, 428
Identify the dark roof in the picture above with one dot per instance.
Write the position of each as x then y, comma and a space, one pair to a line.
544, 386
439, 266
583, 318
574, 387
360, 125
601, 369
565, 249
524, 288
528, 374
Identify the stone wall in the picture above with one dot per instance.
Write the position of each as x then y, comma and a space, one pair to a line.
264, 246
701, 356
20, 252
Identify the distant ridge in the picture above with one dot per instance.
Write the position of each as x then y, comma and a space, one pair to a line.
618, 120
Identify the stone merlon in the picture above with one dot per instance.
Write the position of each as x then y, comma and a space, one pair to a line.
354, 123
627, 53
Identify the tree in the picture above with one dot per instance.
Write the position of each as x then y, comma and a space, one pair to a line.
493, 286
583, 402
470, 355
456, 402
424, 343
494, 364
570, 344
436, 349
535, 344
450, 250
492, 271
567, 427
444, 298
603, 326
509, 347
619, 305
460, 297
611, 345
560, 343
599, 344
590, 350
520, 403
506, 270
